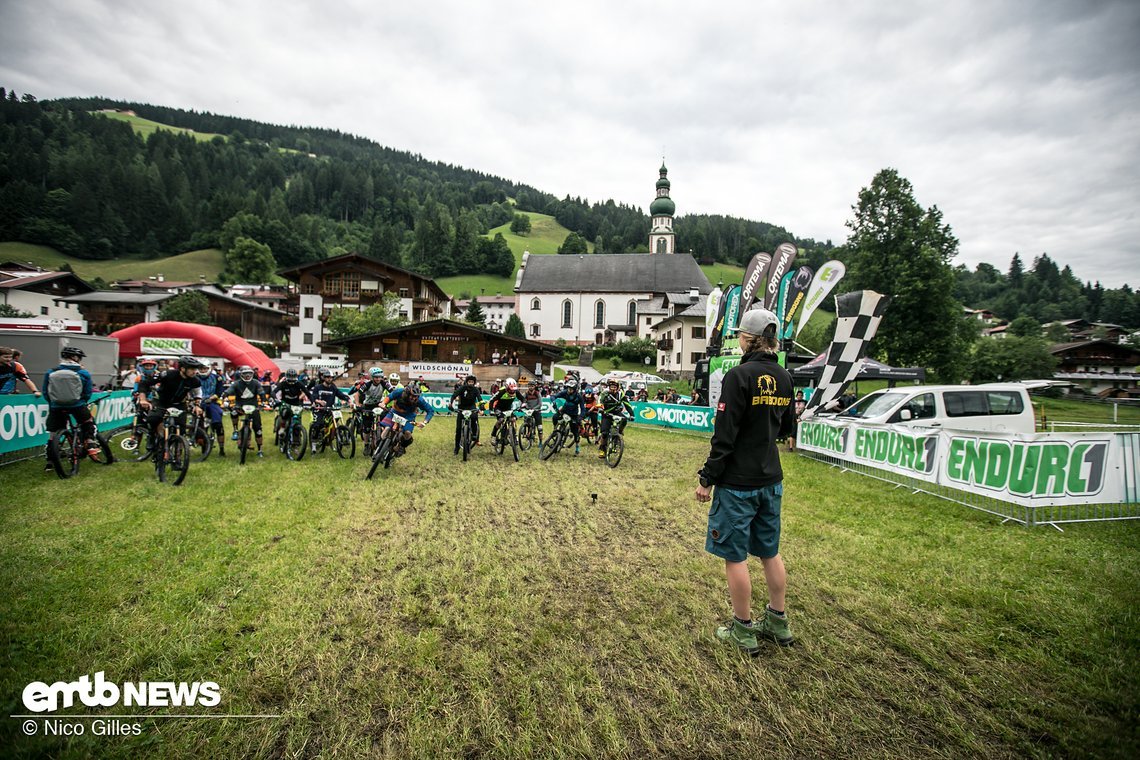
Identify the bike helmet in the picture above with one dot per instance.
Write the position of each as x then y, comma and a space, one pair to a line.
204, 369
512, 384
291, 374
412, 391
588, 392
571, 384
191, 362
394, 377
147, 366
245, 372
72, 352
324, 374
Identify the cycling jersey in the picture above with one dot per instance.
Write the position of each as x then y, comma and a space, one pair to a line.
169, 388
327, 394
574, 403
9, 374
211, 384
505, 400
246, 391
290, 391
614, 404
467, 396
407, 408
371, 394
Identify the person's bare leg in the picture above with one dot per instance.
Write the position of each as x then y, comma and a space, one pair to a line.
776, 579
739, 588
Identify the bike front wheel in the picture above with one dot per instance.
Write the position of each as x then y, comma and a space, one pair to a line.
345, 443
296, 443
243, 443
203, 443
551, 446
178, 453
615, 447
379, 456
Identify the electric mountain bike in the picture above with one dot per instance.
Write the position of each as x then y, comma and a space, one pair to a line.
171, 452
391, 443
328, 430
67, 448
505, 434
615, 444
467, 431
293, 440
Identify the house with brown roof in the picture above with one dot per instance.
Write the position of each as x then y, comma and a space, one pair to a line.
1099, 366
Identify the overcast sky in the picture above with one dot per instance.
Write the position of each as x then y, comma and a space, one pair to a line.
1020, 120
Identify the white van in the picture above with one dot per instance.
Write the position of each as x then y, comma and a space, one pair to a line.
994, 407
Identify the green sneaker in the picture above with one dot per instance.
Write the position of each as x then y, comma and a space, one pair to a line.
743, 636
774, 628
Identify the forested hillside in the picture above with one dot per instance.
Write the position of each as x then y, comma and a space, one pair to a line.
91, 187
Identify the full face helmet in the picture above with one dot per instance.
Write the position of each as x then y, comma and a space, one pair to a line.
512, 384
245, 372
147, 366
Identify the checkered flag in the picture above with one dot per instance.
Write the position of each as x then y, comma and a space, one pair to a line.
859, 316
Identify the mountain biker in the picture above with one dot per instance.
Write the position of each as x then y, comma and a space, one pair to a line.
590, 407
532, 402
370, 395
146, 369
67, 389
611, 402
290, 392
572, 408
212, 384
247, 390
394, 381
406, 402
505, 400
173, 388
467, 396
324, 395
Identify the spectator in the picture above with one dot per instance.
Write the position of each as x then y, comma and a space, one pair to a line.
11, 371
495, 357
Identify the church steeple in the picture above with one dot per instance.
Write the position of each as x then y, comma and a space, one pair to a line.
661, 238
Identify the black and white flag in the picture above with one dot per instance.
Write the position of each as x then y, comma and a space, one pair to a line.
859, 316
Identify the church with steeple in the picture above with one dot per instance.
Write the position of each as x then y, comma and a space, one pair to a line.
605, 297
661, 237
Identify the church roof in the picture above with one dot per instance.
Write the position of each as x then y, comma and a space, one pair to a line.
612, 273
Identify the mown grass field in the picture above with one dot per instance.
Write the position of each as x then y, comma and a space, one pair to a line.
493, 609
184, 266
146, 127
545, 236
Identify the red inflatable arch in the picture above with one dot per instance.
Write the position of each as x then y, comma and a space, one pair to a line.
208, 341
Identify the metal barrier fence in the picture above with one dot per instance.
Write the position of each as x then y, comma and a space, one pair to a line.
1027, 515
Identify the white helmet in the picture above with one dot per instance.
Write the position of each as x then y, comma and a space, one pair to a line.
394, 377
512, 383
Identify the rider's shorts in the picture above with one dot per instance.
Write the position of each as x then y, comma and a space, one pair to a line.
409, 426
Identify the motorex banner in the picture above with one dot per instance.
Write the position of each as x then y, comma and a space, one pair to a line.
23, 418
682, 416
731, 311
824, 281
781, 264
801, 281
754, 280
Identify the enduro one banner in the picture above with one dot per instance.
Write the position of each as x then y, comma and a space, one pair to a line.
23, 418
1044, 469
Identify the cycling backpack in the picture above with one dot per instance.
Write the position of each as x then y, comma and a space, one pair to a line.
65, 387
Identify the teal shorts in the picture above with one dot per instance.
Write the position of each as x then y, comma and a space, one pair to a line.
745, 522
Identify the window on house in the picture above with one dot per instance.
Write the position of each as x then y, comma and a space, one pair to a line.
535, 304
566, 312
678, 357
632, 313
43, 311
535, 331
600, 313
308, 289
403, 292
696, 356
308, 339
698, 332
308, 312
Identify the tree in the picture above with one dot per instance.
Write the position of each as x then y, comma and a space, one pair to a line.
475, 313
514, 327
249, 261
343, 322
191, 306
574, 243
1055, 332
8, 310
1025, 327
899, 249
384, 244
520, 224
1012, 358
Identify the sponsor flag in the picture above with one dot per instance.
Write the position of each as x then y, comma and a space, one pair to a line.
781, 264
754, 276
712, 309
782, 301
859, 316
824, 282
731, 311
801, 281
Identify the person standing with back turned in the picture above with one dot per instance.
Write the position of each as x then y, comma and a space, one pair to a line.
755, 409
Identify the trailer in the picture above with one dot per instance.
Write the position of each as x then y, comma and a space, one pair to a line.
40, 349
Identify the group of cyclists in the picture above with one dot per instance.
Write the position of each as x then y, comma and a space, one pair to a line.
200, 390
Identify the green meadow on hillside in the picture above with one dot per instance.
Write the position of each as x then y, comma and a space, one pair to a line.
184, 266
146, 127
